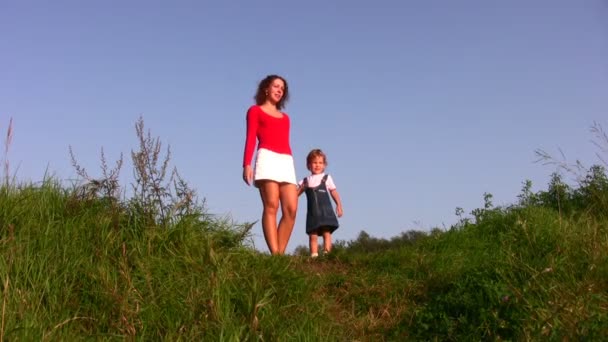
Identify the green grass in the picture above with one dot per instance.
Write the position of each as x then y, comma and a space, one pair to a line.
75, 268
72, 269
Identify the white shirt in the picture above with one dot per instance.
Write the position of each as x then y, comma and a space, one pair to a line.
315, 180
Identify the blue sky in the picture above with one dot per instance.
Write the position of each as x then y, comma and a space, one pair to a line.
421, 106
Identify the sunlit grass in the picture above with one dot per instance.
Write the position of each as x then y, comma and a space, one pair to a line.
82, 263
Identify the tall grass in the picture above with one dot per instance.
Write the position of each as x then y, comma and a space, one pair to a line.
82, 262
74, 268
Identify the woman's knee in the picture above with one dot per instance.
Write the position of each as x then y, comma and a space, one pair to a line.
270, 197
290, 211
289, 201
271, 207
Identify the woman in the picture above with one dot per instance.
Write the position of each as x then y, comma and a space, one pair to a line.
274, 173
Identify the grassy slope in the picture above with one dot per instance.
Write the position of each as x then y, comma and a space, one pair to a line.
75, 269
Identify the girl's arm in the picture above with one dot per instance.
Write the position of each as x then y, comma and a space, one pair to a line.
301, 189
336, 197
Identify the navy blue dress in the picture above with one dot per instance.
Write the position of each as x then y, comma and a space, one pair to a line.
320, 216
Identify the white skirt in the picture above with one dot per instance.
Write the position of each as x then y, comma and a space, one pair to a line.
274, 166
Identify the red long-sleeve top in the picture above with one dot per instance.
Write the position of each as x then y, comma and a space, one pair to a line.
271, 132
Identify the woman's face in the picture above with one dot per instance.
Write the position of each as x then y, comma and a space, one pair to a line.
275, 91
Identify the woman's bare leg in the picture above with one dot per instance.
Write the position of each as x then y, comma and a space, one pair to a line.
269, 191
289, 206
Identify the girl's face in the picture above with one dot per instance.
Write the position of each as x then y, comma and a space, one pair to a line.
317, 165
275, 91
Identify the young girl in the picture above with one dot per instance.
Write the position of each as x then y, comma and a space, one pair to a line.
274, 171
320, 217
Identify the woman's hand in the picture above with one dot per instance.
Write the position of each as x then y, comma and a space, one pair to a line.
247, 174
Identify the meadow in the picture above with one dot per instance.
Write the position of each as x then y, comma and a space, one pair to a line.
85, 262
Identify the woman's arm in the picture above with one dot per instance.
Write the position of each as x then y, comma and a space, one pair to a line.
251, 136
250, 140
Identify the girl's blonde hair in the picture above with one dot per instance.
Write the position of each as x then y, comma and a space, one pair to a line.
314, 154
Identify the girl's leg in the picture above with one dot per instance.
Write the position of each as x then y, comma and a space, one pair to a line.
326, 241
313, 243
269, 191
289, 205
